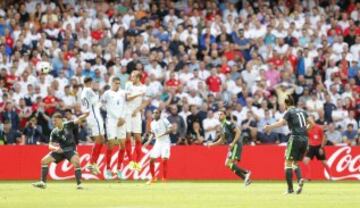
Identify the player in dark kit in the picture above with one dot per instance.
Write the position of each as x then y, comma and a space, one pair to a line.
297, 145
317, 142
230, 135
62, 145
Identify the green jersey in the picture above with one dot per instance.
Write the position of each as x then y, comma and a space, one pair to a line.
65, 136
296, 119
228, 131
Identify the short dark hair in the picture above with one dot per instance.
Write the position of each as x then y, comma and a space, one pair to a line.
289, 101
68, 110
87, 80
115, 79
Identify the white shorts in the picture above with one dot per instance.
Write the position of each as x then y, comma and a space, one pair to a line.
160, 149
113, 131
96, 126
133, 124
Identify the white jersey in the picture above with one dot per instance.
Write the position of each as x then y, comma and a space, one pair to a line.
114, 103
159, 127
90, 103
134, 90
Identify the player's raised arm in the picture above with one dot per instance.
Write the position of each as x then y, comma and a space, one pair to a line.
81, 118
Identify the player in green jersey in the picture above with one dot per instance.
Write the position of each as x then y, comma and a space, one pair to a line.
62, 146
230, 134
297, 120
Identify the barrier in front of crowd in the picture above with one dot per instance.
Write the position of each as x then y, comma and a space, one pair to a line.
186, 163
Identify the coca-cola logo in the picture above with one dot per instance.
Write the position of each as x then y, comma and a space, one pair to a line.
343, 165
65, 170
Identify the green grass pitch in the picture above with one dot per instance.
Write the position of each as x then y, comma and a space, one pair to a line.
185, 194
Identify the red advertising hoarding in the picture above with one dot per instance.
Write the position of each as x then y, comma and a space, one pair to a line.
186, 163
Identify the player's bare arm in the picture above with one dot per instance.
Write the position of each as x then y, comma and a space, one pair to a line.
55, 147
151, 138
172, 128
141, 107
121, 121
219, 141
281, 122
81, 118
129, 97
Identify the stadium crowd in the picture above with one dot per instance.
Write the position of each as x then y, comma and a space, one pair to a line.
195, 58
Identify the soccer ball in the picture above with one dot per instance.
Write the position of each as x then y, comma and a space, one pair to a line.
44, 67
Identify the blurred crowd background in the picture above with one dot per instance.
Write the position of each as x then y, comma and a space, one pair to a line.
195, 58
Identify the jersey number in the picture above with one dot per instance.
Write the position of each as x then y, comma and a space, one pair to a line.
302, 120
85, 102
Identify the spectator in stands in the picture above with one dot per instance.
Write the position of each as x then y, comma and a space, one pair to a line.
196, 135
262, 137
9, 114
333, 136
175, 119
11, 136
350, 135
210, 125
33, 132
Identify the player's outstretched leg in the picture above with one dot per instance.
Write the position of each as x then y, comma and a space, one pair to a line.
242, 173
75, 161
289, 176
45, 161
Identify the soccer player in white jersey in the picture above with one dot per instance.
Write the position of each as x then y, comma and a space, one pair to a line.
160, 128
90, 103
114, 103
135, 103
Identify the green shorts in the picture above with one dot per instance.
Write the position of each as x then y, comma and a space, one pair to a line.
62, 156
296, 147
234, 153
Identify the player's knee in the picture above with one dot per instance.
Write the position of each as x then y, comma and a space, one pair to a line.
99, 139
44, 161
138, 137
76, 163
228, 163
110, 145
288, 164
122, 145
